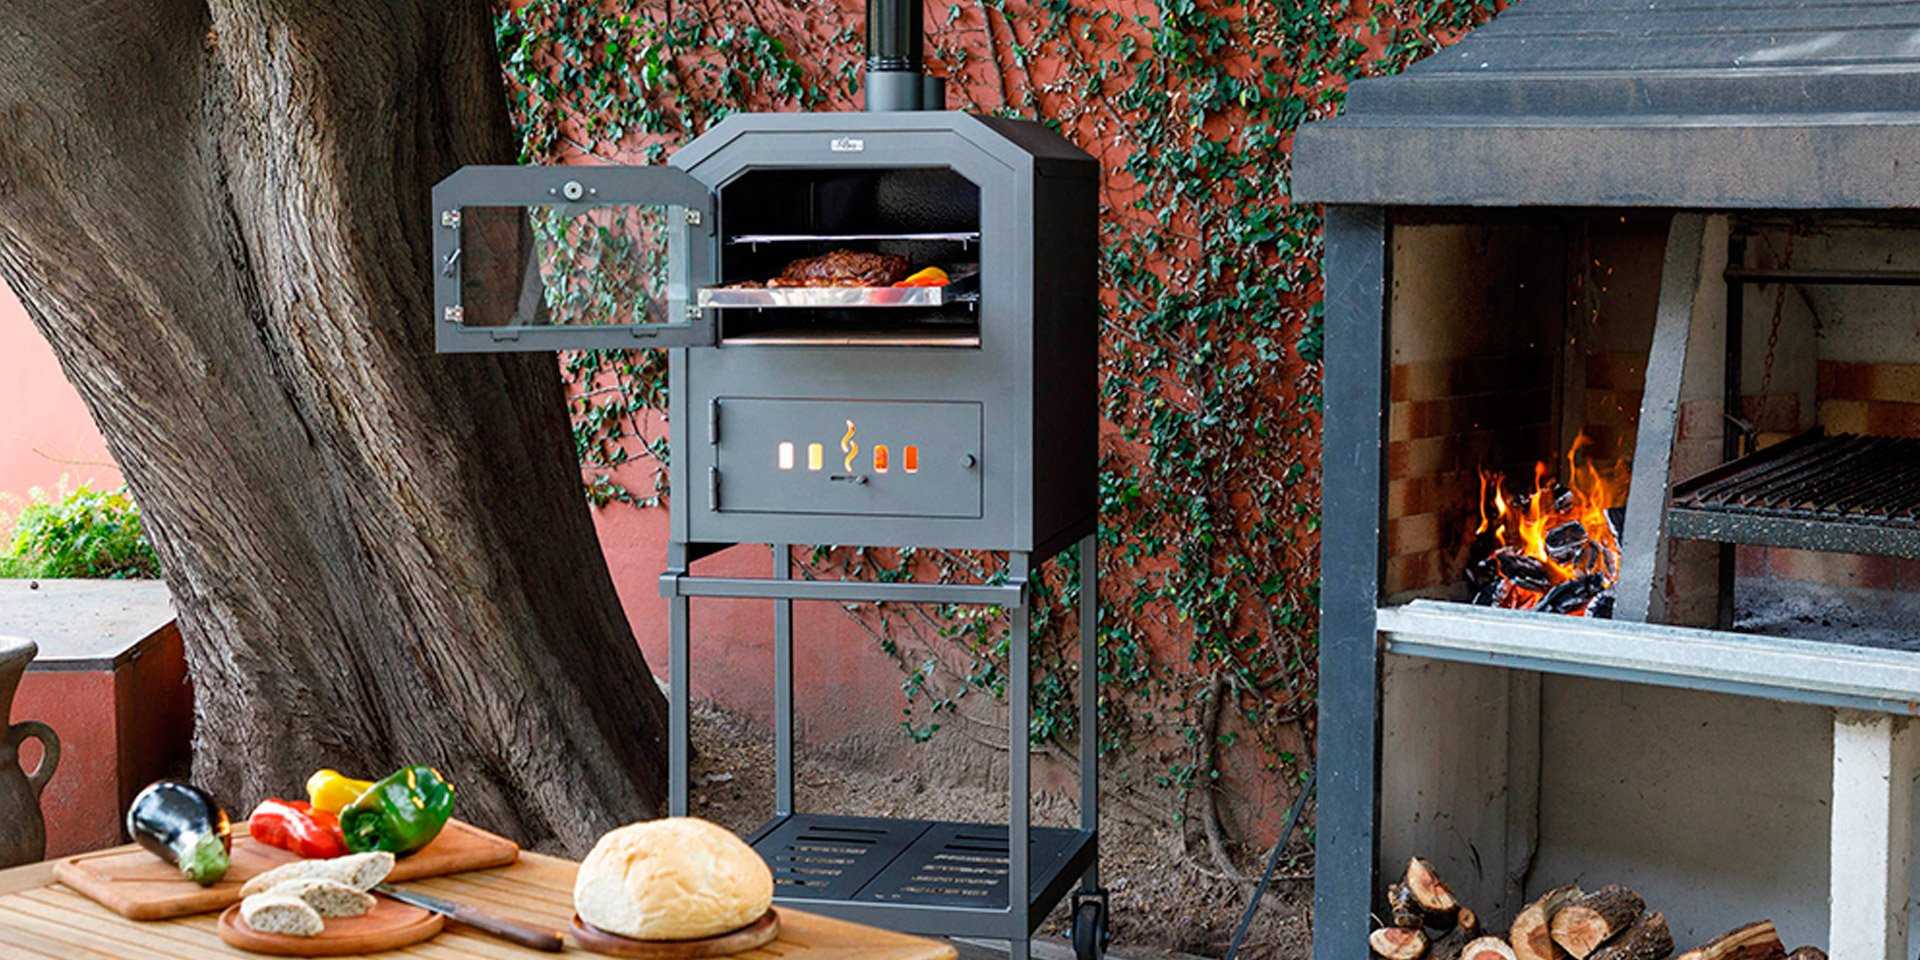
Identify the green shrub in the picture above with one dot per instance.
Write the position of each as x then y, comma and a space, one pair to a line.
86, 534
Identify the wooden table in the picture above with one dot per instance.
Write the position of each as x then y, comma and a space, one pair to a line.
41, 918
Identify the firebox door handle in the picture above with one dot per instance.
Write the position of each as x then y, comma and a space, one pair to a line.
853, 478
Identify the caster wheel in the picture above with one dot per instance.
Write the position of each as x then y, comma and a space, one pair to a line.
1090, 930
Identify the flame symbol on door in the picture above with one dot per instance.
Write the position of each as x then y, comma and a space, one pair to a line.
848, 447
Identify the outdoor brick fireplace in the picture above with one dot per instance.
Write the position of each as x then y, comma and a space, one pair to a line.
1677, 241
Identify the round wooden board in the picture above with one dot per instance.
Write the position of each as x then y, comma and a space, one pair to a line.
389, 925
756, 934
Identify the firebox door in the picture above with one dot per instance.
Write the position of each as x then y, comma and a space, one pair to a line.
855, 457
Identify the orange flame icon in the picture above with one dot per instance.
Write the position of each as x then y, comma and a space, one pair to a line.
848, 447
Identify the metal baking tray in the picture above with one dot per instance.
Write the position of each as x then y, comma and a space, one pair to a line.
962, 288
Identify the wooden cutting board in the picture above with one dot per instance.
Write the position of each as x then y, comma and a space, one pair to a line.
750, 937
140, 886
390, 925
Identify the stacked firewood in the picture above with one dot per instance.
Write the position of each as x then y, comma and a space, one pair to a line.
1426, 922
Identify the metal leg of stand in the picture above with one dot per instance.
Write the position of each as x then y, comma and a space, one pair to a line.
1090, 702
782, 688
1019, 722
679, 706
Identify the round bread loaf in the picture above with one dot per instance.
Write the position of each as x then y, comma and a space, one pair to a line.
680, 878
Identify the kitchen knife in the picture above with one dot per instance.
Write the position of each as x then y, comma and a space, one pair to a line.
529, 937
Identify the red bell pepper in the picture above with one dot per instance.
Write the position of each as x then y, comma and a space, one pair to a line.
294, 825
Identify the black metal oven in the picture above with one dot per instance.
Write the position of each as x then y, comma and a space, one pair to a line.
827, 387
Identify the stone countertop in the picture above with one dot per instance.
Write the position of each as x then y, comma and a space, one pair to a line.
85, 624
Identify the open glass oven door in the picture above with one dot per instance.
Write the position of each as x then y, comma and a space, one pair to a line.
571, 258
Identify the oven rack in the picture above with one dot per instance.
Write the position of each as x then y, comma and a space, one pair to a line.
963, 287
965, 238
1845, 493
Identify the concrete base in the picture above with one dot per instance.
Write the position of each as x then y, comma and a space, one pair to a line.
1875, 757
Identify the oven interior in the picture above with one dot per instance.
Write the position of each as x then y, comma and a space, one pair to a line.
928, 215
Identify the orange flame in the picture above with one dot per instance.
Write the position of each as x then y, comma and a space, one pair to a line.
848, 447
1585, 498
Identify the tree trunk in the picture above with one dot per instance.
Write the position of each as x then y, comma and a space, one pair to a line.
217, 213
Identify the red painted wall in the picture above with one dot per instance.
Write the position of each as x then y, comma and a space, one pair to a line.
45, 432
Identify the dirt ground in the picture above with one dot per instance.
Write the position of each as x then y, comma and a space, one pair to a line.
1162, 899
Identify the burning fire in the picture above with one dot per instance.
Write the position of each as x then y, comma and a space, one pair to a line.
1555, 547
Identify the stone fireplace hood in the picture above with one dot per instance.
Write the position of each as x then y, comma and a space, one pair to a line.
1724, 104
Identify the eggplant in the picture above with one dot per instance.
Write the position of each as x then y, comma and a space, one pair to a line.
183, 825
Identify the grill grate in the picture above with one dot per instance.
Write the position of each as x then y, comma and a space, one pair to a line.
1845, 493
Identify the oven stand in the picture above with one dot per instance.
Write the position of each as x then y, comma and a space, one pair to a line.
930, 877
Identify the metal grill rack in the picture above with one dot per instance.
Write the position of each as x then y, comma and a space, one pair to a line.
1845, 493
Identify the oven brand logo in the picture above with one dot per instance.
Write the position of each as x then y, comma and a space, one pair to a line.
847, 145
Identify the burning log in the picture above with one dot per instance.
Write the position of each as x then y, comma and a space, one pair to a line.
1555, 548
1488, 948
1398, 943
1530, 936
1432, 894
1647, 939
1755, 941
1582, 926
1403, 910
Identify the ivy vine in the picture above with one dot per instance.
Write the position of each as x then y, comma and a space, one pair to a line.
1209, 370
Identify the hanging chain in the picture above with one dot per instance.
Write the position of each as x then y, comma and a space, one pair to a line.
1779, 306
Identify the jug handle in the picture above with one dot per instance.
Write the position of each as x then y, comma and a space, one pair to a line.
50, 750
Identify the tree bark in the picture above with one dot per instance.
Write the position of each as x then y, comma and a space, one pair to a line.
217, 213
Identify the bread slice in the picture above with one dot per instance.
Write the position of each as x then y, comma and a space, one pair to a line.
281, 913
330, 897
361, 871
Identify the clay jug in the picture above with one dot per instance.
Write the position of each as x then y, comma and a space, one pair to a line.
23, 830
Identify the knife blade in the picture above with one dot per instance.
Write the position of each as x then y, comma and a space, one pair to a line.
530, 937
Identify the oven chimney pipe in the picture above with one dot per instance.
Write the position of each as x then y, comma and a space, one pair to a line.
895, 37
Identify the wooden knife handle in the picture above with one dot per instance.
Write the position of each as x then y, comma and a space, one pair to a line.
530, 937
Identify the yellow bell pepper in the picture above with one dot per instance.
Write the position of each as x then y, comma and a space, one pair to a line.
330, 790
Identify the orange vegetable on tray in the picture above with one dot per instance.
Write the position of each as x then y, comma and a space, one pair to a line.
930, 277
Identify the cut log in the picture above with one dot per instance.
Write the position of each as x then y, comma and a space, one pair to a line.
1647, 939
1431, 893
1530, 937
1467, 922
1402, 909
1808, 953
1487, 948
1755, 941
1583, 925
1398, 943
1453, 945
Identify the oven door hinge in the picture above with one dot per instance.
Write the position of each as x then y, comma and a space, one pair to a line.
713, 489
713, 422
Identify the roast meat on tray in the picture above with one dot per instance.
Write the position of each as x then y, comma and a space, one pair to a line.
842, 268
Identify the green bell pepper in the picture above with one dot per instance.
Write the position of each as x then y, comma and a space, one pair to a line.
399, 814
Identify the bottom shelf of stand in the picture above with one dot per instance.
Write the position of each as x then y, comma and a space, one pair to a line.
877, 868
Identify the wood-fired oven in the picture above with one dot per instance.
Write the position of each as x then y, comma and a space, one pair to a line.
881, 330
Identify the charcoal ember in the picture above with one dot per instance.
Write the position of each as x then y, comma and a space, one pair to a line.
1493, 594
1562, 498
1523, 570
1573, 595
1566, 541
1617, 523
1602, 606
